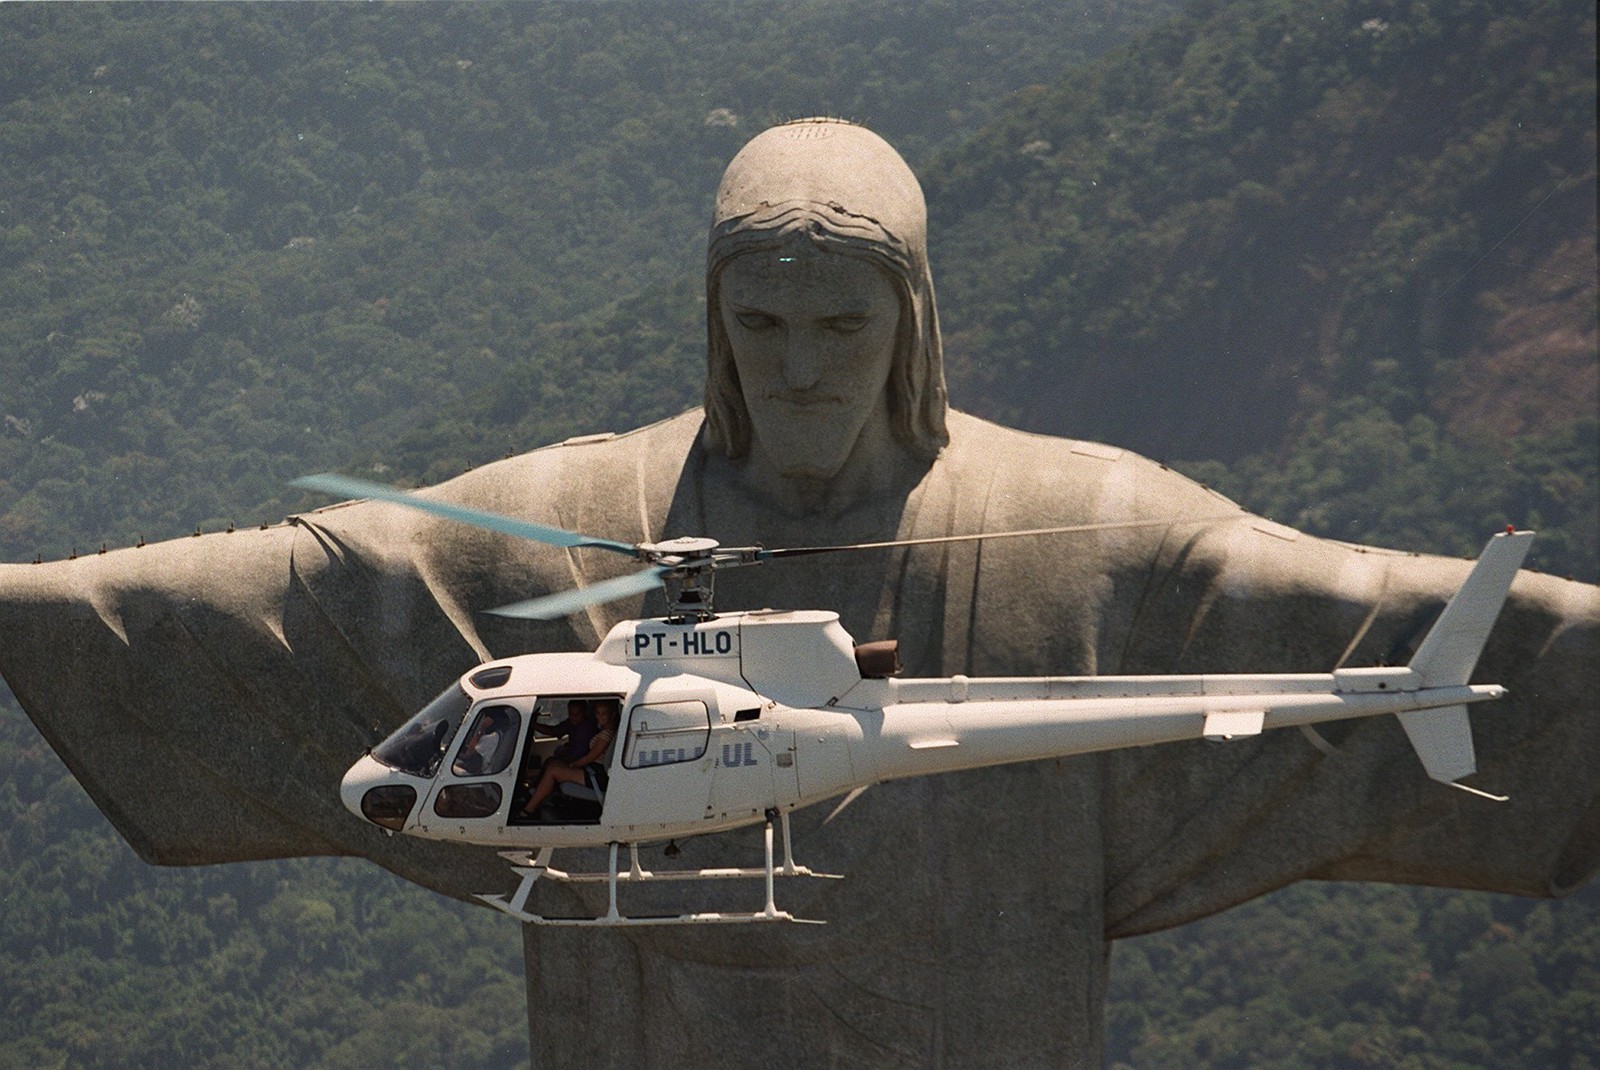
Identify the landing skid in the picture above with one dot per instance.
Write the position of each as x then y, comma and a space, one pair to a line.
531, 867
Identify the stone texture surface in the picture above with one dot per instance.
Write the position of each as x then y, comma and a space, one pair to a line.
210, 691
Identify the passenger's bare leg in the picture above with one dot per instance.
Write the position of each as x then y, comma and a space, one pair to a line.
554, 773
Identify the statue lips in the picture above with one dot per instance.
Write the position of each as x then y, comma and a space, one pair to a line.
806, 402
820, 412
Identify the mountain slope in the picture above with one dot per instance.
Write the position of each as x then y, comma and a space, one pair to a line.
1262, 207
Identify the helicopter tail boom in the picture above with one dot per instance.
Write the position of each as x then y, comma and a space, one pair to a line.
961, 723
916, 739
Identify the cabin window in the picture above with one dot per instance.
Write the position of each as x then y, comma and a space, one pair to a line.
663, 733
419, 746
489, 743
468, 800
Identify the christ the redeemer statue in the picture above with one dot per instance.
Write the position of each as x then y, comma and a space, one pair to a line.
209, 692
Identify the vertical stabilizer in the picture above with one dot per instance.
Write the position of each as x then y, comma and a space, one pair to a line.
1442, 737
1450, 652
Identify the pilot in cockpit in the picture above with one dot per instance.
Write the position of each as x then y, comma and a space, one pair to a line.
480, 754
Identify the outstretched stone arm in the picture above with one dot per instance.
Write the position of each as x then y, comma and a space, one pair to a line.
1258, 815
146, 669
208, 693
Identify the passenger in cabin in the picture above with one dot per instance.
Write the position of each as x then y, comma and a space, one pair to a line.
576, 733
590, 769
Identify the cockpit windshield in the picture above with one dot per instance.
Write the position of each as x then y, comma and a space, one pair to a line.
419, 746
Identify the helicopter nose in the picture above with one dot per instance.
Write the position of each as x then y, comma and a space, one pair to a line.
373, 792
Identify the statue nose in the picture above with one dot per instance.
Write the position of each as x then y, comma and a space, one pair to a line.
802, 364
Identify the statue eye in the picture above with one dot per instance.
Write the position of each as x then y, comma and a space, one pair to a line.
847, 324
755, 321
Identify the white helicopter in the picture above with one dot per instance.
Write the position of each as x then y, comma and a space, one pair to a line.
728, 720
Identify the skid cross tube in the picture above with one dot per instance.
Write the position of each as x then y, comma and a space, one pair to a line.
531, 868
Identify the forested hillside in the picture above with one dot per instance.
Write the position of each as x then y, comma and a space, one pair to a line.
1339, 245
1335, 257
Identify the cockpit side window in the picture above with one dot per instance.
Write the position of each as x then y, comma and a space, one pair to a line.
490, 742
420, 744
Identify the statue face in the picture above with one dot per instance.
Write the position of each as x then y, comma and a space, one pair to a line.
813, 338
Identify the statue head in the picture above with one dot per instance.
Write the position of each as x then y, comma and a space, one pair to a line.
824, 218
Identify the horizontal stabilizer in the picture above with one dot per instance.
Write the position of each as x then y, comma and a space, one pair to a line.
1231, 724
1443, 740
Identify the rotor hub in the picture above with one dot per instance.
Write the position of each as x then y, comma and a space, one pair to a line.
688, 547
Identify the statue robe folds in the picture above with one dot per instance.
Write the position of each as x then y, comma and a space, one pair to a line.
209, 692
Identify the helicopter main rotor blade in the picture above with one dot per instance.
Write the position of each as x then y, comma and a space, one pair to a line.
800, 551
559, 605
351, 487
